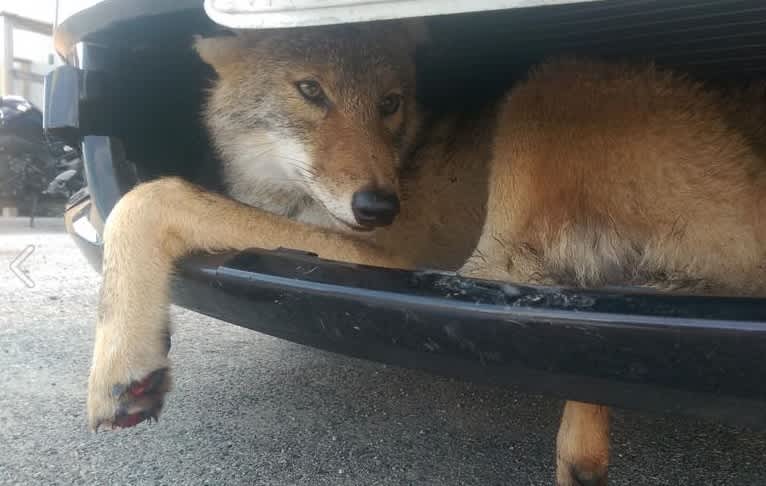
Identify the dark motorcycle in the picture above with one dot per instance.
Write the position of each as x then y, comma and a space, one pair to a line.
33, 166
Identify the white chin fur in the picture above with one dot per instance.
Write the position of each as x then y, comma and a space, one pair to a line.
265, 157
269, 172
262, 170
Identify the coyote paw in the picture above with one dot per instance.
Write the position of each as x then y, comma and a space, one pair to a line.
568, 474
126, 405
127, 384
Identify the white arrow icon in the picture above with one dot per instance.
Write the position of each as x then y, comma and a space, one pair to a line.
15, 266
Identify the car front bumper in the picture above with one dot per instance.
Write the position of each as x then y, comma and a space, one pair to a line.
620, 347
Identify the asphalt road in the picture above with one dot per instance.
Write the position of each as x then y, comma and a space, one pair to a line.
251, 409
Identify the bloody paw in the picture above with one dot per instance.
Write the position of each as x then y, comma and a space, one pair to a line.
137, 402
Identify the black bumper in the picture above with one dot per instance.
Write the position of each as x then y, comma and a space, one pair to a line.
672, 354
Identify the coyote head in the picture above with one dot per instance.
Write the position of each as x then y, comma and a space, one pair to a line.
324, 113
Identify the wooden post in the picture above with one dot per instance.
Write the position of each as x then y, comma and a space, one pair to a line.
6, 55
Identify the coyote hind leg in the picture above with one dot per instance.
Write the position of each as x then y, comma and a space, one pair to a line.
582, 445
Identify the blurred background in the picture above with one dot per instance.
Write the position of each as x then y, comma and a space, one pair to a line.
37, 174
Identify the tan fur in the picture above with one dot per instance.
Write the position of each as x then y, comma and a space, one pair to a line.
666, 193
586, 174
582, 445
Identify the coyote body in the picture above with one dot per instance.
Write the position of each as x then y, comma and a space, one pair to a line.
584, 174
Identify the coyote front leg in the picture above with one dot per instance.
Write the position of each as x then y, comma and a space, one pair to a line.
147, 232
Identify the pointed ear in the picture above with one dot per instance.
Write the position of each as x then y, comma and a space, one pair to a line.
220, 51
417, 31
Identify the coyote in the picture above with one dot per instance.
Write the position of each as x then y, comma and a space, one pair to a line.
585, 174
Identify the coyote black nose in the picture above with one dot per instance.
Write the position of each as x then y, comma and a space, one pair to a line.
375, 208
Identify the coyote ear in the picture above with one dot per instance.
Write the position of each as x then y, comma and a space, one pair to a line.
417, 31
220, 51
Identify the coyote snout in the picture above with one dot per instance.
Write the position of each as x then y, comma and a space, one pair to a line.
354, 171
375, 207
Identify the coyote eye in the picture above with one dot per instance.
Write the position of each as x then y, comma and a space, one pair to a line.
310, 90
390, 104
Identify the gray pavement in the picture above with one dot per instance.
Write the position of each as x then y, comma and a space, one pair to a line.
251, 409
